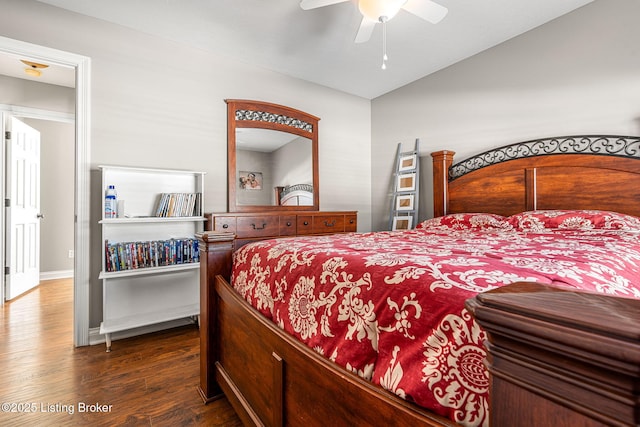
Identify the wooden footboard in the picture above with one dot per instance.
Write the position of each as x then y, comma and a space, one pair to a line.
272, 379
560, 357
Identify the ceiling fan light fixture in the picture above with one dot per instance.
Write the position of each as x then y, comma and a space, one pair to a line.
376, 10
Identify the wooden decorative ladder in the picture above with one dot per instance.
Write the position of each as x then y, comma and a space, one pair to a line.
404, 205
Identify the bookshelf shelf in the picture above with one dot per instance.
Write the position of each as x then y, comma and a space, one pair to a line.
152, 219
140, 287
150, 319
149, 270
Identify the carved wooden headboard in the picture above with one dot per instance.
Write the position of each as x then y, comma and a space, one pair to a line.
572, 172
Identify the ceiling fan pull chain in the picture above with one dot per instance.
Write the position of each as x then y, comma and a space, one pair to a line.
384, 20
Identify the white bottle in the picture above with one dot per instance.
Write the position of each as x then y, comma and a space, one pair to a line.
111, 202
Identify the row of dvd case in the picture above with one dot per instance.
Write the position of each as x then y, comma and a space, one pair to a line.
156, 253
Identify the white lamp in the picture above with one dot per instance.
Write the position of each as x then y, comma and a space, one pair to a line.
380, 10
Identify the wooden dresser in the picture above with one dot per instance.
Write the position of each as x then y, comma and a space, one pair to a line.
249, 227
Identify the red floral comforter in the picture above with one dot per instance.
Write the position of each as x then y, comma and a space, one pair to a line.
389, 306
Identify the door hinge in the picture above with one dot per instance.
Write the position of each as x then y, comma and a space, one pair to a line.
7, 203
7, 135
7, 271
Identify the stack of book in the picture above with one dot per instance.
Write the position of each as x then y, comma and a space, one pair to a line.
157, 253
179, 204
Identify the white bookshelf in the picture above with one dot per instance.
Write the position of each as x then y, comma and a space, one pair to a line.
142, 296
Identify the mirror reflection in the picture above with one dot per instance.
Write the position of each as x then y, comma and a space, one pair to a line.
272, 158
273, 168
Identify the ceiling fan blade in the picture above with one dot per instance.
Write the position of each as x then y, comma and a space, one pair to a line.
365, 30
426, 9
314, 4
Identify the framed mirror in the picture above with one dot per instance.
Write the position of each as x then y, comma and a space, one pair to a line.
272, 157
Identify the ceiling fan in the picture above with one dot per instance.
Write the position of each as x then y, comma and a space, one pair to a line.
381, 11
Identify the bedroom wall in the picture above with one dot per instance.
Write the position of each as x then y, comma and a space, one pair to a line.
577, 74
292, 163
255, 161
159, 104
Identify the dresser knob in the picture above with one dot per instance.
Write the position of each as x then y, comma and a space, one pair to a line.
288, 223
264, 224
225, 226
330, 224
306, 223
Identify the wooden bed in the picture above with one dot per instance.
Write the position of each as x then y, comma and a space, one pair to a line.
557, 357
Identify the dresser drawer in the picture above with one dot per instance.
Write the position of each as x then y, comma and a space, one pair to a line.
351, 223
224, 223
288, 225
257, 226
323, 224
304, 225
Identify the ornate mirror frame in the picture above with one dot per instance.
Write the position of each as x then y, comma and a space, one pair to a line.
264, 115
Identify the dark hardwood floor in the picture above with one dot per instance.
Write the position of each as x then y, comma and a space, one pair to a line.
149, 380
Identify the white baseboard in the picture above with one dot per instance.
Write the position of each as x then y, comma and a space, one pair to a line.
50, 275
96, 338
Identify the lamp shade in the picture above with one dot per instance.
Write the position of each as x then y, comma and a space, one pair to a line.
377, 9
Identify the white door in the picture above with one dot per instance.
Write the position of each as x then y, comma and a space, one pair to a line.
22, 249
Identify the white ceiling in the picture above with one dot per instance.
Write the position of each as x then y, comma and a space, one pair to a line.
317, 45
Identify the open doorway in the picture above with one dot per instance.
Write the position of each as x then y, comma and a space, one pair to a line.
47, 247
81, 66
